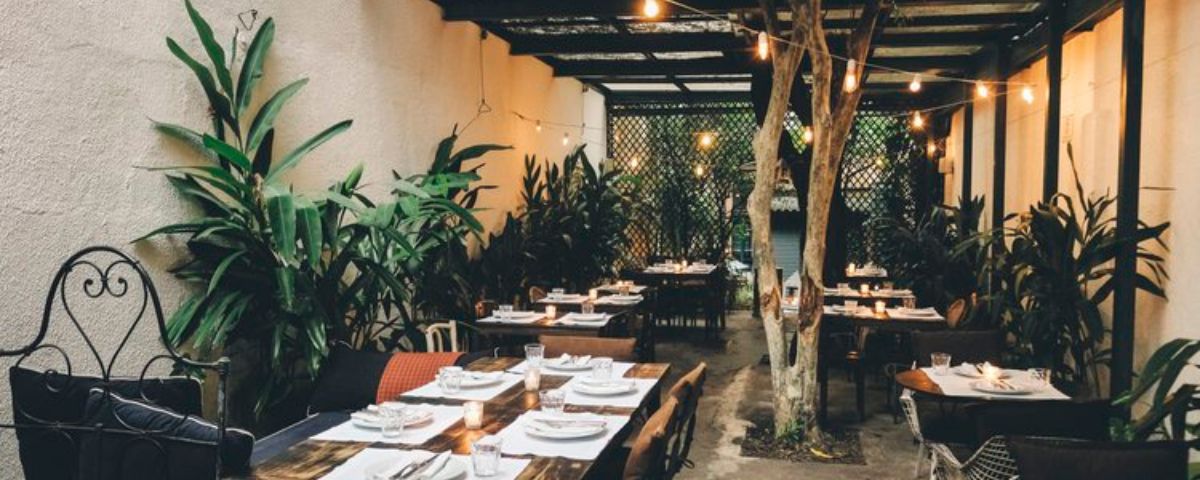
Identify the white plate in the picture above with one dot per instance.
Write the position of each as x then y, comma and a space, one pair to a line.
988, 387
559, 364
453, 469
535, 429
480, 379
606, 389
370, 420
916, 312
969, 371
587, 317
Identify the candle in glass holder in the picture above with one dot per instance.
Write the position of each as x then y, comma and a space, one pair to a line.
593, 294
473, 414
880, 306
864, 289
551, 312
851, 268
989, 372
533, 379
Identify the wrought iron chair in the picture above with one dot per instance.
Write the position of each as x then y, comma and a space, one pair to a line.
70, 422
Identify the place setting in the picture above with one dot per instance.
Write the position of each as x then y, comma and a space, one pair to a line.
506, 314
392, 464
987, 380
559, 295
911, 313
458, 384
553, 432
394, 423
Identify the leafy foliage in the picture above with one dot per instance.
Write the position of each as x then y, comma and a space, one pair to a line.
1166, 405
929, 256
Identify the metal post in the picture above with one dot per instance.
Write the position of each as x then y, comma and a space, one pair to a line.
1128, 180
1054, 46
1000, 137
967, 146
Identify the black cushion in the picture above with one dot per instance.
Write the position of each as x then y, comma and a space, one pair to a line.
42, 398
1062, 459
349, 380
1079, 420
144, 441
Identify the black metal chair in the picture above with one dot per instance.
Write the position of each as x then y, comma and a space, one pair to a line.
1064, 459
80, 420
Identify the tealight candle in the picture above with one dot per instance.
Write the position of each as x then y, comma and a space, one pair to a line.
593, 294
851, 268
989, 372
551, 312
880, 306
473, 414
533, 379
864, 289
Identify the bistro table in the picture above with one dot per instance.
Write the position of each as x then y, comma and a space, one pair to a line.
670, 283
292, 455
835, 296
546, 326
919, 382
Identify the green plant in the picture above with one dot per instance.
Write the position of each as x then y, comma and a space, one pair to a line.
280, 272
929, 256
1167, 406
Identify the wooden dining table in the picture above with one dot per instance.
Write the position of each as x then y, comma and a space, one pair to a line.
546, 326
307, 459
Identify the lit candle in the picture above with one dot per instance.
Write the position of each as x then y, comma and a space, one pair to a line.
864, 289
593, 294
533, 379
851, 268
473, 414
880, 306
551, 312
989, 372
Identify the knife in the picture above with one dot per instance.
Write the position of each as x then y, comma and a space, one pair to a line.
427, 464
413, 468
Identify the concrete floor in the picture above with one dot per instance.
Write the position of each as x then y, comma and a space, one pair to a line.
738, 385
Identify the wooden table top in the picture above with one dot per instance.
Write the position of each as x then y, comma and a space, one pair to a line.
545, 326
881, 321
917, 381
312, 459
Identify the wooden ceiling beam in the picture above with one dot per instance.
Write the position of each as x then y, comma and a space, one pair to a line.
710, 41
489, 10
713, 66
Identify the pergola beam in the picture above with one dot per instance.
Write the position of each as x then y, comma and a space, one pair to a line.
711, 41
712, 66
491, 10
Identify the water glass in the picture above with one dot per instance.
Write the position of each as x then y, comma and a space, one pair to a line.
449, 379
391, 419
940, 362
844, 286
553, 401
534, 354
889, 285
587, 308
558, 293
1040, 376
909, 302
602, 368
850, 306
504, 311
485, 456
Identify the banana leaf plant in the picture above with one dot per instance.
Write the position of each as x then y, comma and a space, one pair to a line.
285, 272
1166, 404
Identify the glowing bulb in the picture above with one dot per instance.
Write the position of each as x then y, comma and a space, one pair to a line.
538, 127
851, 82
634, 162
706, 140
807, 136
764, 46
699, 170
566, 139
981, 90
1027, 94
651, 9
931, 148
918, 122
915, 85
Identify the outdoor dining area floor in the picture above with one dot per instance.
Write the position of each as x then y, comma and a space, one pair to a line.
739, 390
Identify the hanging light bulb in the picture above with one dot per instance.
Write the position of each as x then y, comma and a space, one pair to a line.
651, 9
807, 136
915, 85
918, 122
538, 127
851, 82
1027, 94
634, 163
566, 139
931, 148
981, 90
699, 170
764, 46
706, 140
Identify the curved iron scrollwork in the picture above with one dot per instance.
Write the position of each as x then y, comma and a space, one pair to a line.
49, 405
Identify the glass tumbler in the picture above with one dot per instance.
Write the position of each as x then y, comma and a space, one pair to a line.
391, 419
449, 379
485, 456
534, 353
940, 362
553, 401
602, 368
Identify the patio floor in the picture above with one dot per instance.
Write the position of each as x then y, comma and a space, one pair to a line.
738, 386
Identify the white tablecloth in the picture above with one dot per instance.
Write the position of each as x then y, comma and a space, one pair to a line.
955, 385
904, 314
483, 394
571, 319
566, 298
517, 442
443, 418
355, 467
635, 289
521, 320
618, 370
629, 400
620, 300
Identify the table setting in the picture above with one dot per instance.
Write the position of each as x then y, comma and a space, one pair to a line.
620, 299
623, 287
559, 295
578, 436
907, 313
383, 463
569, 365
988, 381
456, 384
579, 319
418, 424
506, 314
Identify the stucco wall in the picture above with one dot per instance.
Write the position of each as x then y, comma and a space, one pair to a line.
78, 82
1090, 124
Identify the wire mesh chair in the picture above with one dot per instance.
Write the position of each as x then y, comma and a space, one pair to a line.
992, 461
103, 274
909, 407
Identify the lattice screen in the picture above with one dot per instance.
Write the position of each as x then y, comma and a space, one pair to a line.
691, 195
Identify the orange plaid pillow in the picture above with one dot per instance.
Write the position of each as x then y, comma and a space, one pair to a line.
408, 370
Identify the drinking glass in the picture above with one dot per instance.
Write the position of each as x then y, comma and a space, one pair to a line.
504, 311
534, 354
850, 306
391, 419
558, 292
602, 368
910, 302
623, 288
449, 379
587, 308
485, 456
1040, 376
844, 286
941, 363
553, 401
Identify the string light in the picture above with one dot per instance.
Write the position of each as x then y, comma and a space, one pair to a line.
706, 140
918, 122
851, 82
764, 46
538, 127
634, 163
981, 89
651, 9
807, 136
931, 148
566, 139
699, 170
915, 85
1027, 94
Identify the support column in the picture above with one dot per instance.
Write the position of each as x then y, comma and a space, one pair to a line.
967, 145
1057, 27
1000, 137
1128, 185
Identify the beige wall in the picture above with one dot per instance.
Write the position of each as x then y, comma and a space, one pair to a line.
78, 83
1090, 122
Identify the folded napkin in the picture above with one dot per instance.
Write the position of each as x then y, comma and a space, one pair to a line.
443, 417
483, 394
355, 468
620, 300
518, 442
574, 319
915, 314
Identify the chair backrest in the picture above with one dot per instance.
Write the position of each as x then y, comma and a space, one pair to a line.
1064, 459
536, 293
443, 337
620, 349
956, 312
973, 346
647, 457
484, 308
1087, 420
687, 391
